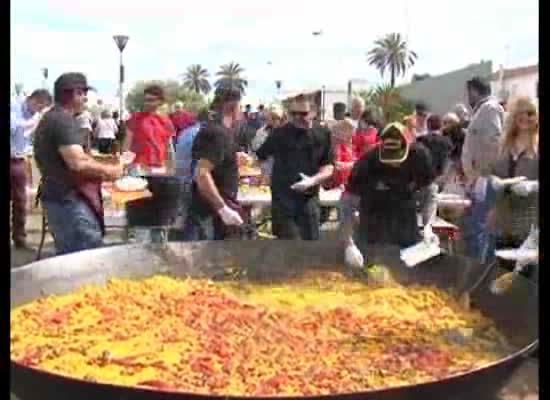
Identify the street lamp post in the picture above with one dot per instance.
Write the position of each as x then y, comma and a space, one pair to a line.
121, 41
45, 76
278, 85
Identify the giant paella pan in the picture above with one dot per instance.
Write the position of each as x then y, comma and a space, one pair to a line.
257, 319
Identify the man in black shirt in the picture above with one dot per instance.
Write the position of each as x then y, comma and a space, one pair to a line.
71, 179
383, 186
303, 160
214, 212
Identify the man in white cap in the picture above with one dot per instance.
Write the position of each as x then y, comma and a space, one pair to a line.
382, 187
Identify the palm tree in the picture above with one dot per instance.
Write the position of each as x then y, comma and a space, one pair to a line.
391, 53
387, 99
196, 79
230, 75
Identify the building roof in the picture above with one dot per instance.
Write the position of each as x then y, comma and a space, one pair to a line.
515, 72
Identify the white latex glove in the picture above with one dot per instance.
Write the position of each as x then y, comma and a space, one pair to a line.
523, 261
532, 241
525, 188
230, 217
502, 183
528, 250
429, 236
353, 256
303, 185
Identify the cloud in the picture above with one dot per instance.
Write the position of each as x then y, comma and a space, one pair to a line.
168, 35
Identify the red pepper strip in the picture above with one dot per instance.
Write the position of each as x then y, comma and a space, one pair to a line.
108, 314
157, 384
31, 357
58, 317
28, 361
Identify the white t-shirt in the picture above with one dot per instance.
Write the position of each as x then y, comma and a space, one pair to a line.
84, 121
106, 128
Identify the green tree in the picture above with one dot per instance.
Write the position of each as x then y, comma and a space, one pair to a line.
391, 53
386, 101
173, 91
196, 79
230, 75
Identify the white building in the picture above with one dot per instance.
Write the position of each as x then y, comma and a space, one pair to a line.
325, 97
508, 84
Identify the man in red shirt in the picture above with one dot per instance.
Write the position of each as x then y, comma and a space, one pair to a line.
181, 119
148, 133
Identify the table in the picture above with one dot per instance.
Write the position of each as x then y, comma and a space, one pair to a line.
116, 218
257, 198
331, 198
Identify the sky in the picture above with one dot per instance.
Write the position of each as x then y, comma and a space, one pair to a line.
166, 36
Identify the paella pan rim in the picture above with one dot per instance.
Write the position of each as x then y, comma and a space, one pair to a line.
520, 353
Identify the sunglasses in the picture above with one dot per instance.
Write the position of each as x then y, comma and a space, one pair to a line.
79, 91
299, 113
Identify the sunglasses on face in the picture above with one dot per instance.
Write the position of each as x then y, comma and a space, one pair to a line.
78, 91
299, 114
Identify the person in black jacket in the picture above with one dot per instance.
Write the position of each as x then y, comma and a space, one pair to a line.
383, 187
303, 160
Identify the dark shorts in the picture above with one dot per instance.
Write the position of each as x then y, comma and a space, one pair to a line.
301, 220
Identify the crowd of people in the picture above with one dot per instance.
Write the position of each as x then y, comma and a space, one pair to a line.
388, 171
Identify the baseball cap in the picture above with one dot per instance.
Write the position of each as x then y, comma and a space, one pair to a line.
394, 146
71, 81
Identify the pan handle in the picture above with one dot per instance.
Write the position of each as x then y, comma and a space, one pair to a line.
482, 277
533, 347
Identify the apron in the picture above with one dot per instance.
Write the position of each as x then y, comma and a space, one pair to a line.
391, 215
89, 190
86, 189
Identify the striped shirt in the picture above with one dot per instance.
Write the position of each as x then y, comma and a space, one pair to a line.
516, 215
22, 124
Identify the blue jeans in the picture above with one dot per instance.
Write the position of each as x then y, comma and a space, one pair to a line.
73, 224
480, 243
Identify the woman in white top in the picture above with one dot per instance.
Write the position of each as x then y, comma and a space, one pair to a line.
105, 131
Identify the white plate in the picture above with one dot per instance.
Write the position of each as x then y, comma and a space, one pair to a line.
130, 184
515, 254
